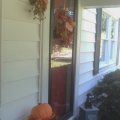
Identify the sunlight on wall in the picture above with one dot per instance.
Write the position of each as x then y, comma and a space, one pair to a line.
115, 11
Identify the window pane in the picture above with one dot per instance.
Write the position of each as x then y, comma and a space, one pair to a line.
112, 29
103, 46
104, 25
112, 50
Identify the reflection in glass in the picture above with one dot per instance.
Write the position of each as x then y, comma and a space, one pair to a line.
104, 25
112, 50
112, 29
61, 67
103, 46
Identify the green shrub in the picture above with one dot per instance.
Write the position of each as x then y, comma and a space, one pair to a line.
107, 96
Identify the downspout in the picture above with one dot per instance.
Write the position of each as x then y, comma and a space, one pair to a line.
76, 88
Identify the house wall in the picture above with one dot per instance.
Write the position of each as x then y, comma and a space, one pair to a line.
88, 30
24, 58
85, 80
85, 57
21, 60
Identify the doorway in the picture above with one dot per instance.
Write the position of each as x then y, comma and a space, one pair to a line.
62, 63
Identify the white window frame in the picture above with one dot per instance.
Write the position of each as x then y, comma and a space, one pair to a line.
110, 41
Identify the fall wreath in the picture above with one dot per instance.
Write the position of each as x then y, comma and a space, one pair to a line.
39, 7
64, 29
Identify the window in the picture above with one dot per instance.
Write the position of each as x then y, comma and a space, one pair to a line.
108, 40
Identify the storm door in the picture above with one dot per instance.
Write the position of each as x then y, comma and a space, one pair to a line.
62, 57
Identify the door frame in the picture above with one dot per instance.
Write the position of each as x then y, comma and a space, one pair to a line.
73, 57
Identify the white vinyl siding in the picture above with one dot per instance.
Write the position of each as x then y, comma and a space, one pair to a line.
89, 16
89, 47
88, 26
18, 70
20, 60
88, 30
23, 64
19, 108
86, 59
20, 31
85, 67
85, 56
87, 36
17, 50
83, 78
87, 86
22, 88
18, 10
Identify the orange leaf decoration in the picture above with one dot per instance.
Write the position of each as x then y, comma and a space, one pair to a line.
63, 31
30, 118
60, 21
69, 27
38, 8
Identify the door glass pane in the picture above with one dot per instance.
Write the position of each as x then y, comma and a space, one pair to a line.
61, 63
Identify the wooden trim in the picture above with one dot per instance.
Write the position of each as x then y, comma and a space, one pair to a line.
74, 53
40, 63
100, 3
51, 26
44, 58
98, 39
118, 44
1, 40
50, 48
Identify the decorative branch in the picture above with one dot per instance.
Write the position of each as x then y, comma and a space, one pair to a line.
38, 8
63, 32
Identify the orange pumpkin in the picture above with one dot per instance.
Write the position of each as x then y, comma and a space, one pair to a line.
43, 111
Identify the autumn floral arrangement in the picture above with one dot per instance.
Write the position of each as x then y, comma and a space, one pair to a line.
64, 29
38, 7
42, 112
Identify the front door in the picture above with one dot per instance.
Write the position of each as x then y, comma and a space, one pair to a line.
61, 59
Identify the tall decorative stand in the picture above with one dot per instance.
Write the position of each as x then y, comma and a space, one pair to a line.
88, 114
